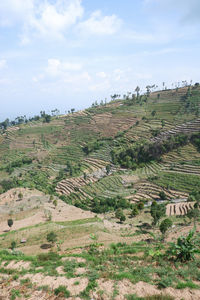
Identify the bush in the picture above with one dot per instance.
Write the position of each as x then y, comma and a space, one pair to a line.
184, 249
62, 291
140, 205
134, 211
164, 283
51, 237
10, 222
162, 195
13, 245
157, 211
120, 215
165, 225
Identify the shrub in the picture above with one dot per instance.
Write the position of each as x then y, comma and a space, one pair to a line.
51, 237
120, 215
140, 205
10, 222
164, 283
13, 245
184, 249
14, 294
165, 225
20, 195
134, 211
157, 211
62, 291
162, 195
193, 214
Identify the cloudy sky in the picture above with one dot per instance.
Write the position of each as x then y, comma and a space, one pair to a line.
69, 53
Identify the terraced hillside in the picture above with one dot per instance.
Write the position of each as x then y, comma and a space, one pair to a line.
71, 155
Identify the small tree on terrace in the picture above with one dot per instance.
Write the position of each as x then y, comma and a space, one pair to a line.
134, 211
10, 222
120, 215
47, 118
108, 168
194, 213
157, 212
52, 237
162, 195
20, 195
165, 225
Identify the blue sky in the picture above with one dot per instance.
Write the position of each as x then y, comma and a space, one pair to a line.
69, 53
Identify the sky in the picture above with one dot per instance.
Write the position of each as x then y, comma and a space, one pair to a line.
69, 53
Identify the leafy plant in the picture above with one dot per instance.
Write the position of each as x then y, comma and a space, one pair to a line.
185, 248
13, 245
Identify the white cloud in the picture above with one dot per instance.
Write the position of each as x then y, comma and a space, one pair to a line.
54, 19
100, 25
42, 17
3, 63
57, 68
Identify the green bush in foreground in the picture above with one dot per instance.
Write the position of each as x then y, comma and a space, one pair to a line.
185, 248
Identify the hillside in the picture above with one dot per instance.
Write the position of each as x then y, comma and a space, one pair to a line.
72, 174
69, 155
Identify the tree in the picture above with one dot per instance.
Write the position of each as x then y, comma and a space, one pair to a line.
162, 195
4, 124
137, 90
47, 118
163, 85
163, 123
140, 205
193, 214
134, 211
55, 203
108, 168
157, 212
122, 218
165, 225
20, 195
120, 215
51, 237
10, 222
